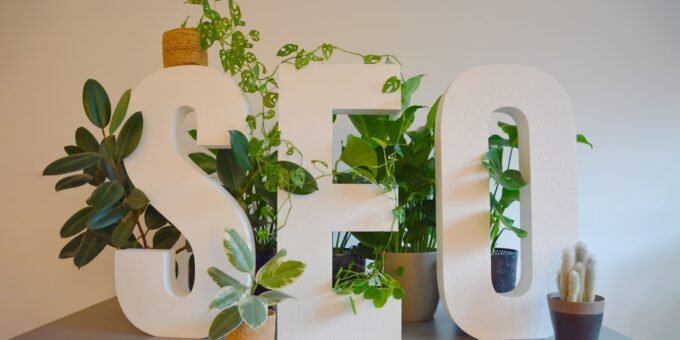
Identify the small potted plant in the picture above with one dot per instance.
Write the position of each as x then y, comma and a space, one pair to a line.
345, 257
245, 314
576, 312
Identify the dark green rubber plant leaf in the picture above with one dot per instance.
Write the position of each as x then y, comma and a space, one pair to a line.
90, 247
224, 323
75, 223
107, 195
72, 163
86, 141
130, 135
71, 247
96, 103
120, 111
166, 237
239, 143
72, 181
153, 219
106, 217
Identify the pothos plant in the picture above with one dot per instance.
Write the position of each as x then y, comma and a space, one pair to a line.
239, 303
113, 212
507, 179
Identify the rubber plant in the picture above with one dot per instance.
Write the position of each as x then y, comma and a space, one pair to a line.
507, 179
113, 212
238, 303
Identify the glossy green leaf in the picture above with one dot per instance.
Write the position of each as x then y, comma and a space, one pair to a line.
137, 199
85, 140
224, 323
106, 217
90, 247
122, 232
69, 250
72, 163
498, 141
327, 51
120, 111
166, 237
583, 140
96, 103
432, 114
409, 87
107, 195
281, 274
492, 161
72, 150
221, 278
275, 297
381, 297
398, 293
358, 152
237, 251
228, 296
72, 181
153, 219
511, 131
204, 161
229, 173
75, 223
519, 232
512, 179
239, 143
253, 311
372, 59
130, 135
286, 50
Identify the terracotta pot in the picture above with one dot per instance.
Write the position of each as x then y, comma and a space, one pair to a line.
504, 269
573, 320
265, 332
182, 46
419, 283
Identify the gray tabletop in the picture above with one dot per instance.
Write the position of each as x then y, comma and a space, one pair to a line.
106, 321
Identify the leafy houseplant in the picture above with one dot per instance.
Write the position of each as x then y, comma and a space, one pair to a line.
112, 213
576, 311
510, 182
242, 311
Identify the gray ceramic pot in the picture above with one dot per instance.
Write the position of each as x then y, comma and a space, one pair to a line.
572, 320
419, 283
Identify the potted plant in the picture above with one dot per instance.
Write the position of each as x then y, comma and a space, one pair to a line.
507, 183
345, 257
117, 213
404, 163
244, 313
576, 312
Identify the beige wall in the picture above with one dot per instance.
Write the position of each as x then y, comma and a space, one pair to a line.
619, 61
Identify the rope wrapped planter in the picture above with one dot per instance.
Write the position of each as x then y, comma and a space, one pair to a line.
182, 46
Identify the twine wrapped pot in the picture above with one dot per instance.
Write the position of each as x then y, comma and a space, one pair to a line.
265, 332
182, 46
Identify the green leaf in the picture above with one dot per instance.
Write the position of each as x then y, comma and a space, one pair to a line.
228, 296
358, 152
270, 99
391, 84
90, 247
508, 196
120, 111
224, 323
253, 310
410, 86
72, 163
498, 141
275, 297
221, 278
107, 195
281, 274
71, 247
372, 59
398, 293
137, 199
255, 35
130, 135
72, 150
286, 50
432, 115
166, 237
229, 173
327, 51
512, 179
372, 239
72, 181
381, 297
521, 233
204, 161
96, 103
493, 162
75, 223
153, 219
106, 217
511, 131
122, 232
85, 140
309, 184
583, 140
238, 252
239, 143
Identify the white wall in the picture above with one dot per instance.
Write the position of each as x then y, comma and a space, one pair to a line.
619, 61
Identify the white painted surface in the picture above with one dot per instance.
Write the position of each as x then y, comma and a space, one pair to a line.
545, 123
195, 203
619, 60
307, 100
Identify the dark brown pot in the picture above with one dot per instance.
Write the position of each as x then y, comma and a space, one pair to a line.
182, 46
504, 269
572, 320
